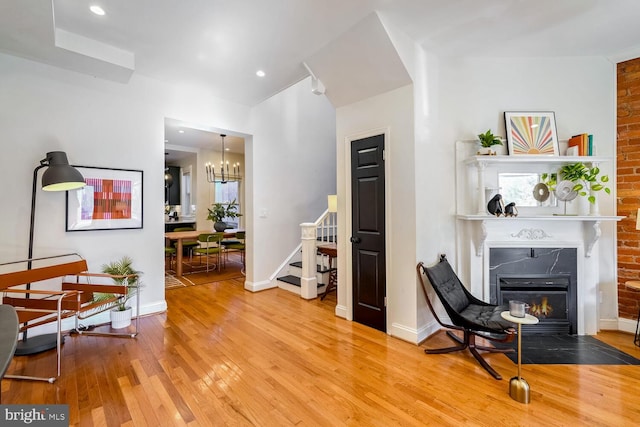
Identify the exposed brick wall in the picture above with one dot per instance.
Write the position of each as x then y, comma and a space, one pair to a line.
628, 188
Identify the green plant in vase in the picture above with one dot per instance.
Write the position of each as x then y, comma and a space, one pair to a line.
488, 140
583, 177
220, 211
128, 276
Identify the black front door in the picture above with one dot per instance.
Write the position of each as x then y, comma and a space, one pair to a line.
368, 232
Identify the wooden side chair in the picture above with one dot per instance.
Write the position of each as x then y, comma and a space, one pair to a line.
469, 315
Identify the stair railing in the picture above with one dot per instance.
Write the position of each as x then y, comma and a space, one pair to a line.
324, 230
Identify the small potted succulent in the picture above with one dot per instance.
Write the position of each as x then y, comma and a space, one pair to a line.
488, 140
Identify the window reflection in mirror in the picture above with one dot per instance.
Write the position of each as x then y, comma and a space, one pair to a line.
518, 188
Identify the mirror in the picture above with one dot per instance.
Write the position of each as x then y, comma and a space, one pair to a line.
518, 188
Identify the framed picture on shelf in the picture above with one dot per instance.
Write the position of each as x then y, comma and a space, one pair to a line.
531, 133
111, 200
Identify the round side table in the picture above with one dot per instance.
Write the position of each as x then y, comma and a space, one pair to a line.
518, 387
635, 285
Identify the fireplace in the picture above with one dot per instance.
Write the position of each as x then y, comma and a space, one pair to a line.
547, 297
544, 278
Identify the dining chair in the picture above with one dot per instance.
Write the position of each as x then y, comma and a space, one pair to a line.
170, 251
188, 244
210, 244
236, 244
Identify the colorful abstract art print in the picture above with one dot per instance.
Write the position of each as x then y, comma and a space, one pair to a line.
531, 133
112, 199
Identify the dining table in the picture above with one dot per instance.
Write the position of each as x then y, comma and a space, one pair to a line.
180, 236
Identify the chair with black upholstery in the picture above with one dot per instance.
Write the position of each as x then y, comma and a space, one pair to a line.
469, 315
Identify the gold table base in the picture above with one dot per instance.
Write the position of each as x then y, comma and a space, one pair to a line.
519, 390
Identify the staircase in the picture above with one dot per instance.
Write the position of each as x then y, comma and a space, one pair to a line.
291, 281
288, 277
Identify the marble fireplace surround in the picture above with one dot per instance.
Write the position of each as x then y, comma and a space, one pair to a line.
579, 232
551, 265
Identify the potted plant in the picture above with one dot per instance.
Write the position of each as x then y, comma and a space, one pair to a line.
129, 277
585, 178
219, 211
488, 140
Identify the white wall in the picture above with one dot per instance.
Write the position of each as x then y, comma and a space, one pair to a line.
391, 113
473, 94
206, 194
97, 123
291, 168
457, 98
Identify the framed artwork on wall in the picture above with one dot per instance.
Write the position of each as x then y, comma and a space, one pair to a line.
111, 200
531, 133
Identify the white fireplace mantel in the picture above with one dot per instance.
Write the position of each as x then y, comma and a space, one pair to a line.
477, 234
530, 231
576, 224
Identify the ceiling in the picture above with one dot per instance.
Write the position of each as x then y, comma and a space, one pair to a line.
221, 44
182, 140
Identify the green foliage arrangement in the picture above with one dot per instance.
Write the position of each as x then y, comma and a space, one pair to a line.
584, 178
488, 139
122, 267
219, 211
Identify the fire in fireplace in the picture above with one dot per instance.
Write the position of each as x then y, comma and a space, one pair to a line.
543, 278
547, 297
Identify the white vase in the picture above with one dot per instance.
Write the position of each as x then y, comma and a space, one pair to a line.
120, 319
501, 150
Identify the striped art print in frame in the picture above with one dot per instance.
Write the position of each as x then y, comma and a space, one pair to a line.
531, 133
111, 200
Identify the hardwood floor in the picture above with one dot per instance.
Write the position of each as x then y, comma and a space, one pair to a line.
225, 356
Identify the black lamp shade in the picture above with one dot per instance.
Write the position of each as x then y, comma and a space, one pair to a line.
60, 176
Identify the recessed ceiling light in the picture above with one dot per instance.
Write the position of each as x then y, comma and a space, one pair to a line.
226, 149
97, 10
180, 131
260, 73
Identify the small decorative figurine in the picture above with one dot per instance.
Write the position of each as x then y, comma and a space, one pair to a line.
511, 210
496, 205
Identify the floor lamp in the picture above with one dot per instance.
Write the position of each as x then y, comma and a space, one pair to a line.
59, 176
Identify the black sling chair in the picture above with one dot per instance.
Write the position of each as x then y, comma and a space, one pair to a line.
468, 314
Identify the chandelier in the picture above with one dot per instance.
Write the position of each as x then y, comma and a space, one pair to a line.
225, 174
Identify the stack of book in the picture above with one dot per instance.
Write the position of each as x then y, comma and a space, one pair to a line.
583, 144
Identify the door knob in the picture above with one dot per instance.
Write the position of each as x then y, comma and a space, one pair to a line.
355, 240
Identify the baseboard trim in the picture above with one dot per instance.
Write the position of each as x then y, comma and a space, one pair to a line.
258, 286
341, 311
609, 324
413, 335
627, 325
404, 333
